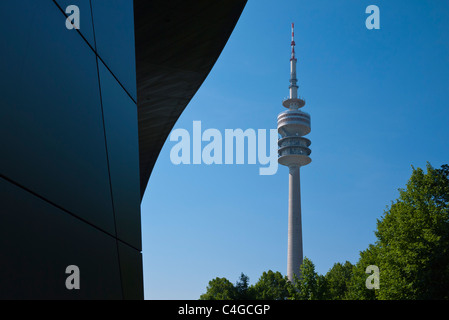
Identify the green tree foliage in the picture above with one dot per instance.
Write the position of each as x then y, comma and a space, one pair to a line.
272, 286
223, 289
310, 285
337, 280
413, 239
356, 285
242, 289
219, 289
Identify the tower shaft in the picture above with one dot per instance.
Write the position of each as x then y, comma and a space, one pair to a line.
295, 252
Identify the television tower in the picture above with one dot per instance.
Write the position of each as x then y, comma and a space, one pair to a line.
294, 153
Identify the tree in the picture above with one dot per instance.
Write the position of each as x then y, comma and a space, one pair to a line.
413, 239
223, 289
337, 280
322, 290
242, 289
272, 286
356, 286
219, 289
310, 285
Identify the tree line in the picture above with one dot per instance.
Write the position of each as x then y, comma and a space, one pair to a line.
411, 251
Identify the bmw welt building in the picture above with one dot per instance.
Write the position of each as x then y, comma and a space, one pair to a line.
89, 91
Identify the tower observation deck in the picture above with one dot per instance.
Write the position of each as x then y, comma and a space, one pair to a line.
294, 152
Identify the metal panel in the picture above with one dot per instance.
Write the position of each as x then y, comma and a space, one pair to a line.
51, 127
120, 118
131, 271
39, 241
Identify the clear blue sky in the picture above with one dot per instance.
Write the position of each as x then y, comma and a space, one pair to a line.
378, 100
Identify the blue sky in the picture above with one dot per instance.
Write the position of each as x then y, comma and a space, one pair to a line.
378, 101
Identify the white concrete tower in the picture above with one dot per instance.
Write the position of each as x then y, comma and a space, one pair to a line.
294, 153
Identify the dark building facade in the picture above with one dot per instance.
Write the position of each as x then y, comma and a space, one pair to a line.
83, 116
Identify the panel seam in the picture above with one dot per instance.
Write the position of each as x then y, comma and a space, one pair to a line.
2, 176
95, 49
107, 160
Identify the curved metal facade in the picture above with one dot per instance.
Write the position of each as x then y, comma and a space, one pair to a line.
79, 135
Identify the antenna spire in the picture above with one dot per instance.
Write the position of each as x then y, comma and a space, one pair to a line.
293, 81
293, 41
